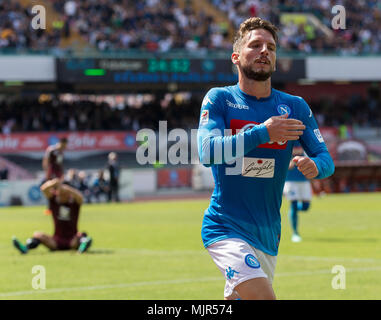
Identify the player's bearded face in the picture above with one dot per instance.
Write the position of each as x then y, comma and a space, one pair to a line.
258, 55
253, 73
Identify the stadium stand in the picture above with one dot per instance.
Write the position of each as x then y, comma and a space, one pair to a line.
164, 25
16, 32
52, 113
299, 33
150, 25
153, 30
49, 113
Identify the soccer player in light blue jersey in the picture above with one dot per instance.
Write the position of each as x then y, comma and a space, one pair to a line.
246, 135
298, 191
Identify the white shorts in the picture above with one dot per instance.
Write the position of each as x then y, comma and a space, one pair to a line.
295, 190
238, 261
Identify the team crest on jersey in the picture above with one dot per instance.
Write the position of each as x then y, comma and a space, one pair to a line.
204, 117
283, 109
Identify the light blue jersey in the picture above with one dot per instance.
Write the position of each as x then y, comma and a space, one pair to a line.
246, 204
294, 175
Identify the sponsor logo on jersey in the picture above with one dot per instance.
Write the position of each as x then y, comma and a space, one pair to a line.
64, 213
318, 135
252, 261
204, 117
283, 109
59, 158
258, 167
238, 125
236, 105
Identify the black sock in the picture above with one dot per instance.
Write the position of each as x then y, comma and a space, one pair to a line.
32, 243
83, 235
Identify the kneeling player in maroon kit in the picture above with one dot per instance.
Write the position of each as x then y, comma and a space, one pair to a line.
65, 203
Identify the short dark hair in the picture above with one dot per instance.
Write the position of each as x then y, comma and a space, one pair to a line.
252, 24
63, 140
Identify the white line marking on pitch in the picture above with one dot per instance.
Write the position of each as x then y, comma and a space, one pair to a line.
204, 252
109, 286
169, 282
316, 258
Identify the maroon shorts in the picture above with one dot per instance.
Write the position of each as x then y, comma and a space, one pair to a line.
63, 243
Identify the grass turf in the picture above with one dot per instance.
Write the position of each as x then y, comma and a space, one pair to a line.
153, 251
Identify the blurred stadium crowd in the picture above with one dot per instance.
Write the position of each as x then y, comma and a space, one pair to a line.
362, 37
95, 188
163, 25
16, 32
50, 113
113, 24
181, 110
353, 110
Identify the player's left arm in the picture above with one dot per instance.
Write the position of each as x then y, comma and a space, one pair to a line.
74, 193
319, 163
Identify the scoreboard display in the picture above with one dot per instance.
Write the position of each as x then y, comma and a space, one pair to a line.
130, 71
159, 72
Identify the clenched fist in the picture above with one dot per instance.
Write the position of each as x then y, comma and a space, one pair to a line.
306, 166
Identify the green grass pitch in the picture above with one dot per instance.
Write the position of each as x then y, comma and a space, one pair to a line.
153, 251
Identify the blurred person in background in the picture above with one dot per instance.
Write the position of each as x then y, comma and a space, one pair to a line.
65, 204
113, 170
297, 190
52, 163
72, 178
4, 173
83, 186
100, 187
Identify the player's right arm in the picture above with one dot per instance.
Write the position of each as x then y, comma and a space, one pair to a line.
212, 142
210, 136
48, 187
45, 159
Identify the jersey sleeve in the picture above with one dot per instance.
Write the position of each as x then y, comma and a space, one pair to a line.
216, 144
313, 142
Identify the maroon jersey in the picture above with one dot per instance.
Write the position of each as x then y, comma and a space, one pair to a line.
55, 162
65, 216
